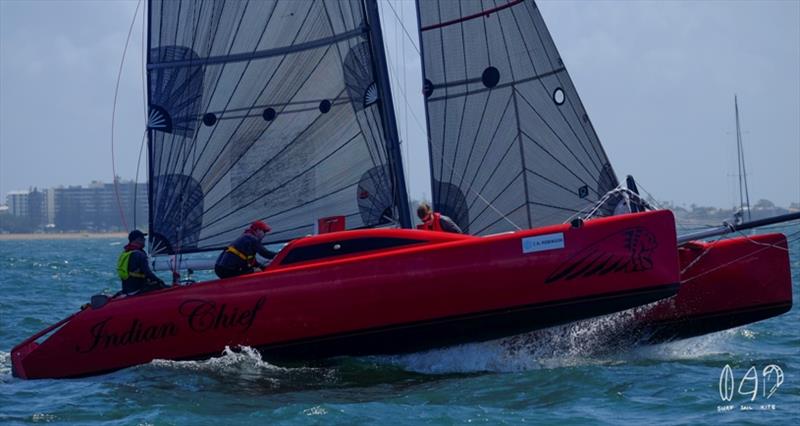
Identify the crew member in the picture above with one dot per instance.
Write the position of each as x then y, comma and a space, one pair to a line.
133, 269
432, 221
240, 257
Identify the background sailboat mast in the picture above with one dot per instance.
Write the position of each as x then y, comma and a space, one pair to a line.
744, 194
387, 112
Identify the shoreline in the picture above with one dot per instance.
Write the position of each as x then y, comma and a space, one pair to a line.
64, 236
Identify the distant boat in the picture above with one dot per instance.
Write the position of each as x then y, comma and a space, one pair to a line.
744, 213
282, 111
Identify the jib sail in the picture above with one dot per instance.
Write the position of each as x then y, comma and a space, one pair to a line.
510, 142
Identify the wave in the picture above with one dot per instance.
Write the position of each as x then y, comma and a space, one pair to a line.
5, 367
245, 363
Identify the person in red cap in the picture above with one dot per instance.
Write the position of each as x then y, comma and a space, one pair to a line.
239, 258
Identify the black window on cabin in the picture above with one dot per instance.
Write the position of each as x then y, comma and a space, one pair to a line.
341, 248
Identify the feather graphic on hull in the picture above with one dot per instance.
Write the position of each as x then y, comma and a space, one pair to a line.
596, 260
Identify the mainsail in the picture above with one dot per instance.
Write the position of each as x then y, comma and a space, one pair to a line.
510, 142
264, 110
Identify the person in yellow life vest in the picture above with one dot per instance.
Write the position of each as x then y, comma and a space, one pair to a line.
133, 269
239, 258
432, 221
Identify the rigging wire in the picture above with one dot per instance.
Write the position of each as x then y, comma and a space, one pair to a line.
136, 179
114, 114
404, 28
789, 239
681, 226
718, 267
488, 203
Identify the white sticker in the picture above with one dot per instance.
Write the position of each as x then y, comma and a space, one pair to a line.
543, 243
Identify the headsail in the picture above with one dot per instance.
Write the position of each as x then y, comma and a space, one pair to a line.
262, 110
510, 142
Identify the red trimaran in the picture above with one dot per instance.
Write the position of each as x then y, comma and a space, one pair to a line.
282, 111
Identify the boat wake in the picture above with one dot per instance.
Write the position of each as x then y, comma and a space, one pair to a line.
597, 341
245, 363
5, 367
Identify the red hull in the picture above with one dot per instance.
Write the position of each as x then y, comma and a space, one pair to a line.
736, 282
373, 292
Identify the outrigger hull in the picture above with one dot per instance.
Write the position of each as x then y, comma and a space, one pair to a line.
375, 292
724, 284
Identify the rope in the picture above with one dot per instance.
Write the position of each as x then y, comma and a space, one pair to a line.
600, 203
650, 196
719, 266
697, 259
680, 225
786, 249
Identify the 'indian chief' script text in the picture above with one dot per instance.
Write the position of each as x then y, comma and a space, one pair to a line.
201, 316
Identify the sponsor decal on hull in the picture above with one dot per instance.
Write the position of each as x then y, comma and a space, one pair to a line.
543, 243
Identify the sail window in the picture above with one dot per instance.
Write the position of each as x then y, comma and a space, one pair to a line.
159, 119
559, 97
268, 114
490, 77
371, 95
427, 88
210, 119
325, 106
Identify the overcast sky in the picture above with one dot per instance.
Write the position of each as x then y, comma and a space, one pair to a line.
657, 79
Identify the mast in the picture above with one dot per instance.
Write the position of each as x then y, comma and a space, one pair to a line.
387, 109
148, 130
744, 194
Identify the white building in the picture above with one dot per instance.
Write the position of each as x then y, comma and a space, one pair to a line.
49, 206
17, 202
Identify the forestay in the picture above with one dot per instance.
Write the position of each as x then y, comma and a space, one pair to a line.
510, 142
261, 110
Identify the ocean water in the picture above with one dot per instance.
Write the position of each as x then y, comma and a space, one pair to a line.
563, 375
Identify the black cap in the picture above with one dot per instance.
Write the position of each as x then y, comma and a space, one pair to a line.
135, 235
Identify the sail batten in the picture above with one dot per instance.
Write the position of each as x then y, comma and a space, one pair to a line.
472, 16
241, 57
263, 110
510, 142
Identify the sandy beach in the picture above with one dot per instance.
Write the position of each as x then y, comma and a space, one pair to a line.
63, 236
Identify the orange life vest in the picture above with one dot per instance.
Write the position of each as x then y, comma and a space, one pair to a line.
432, 224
